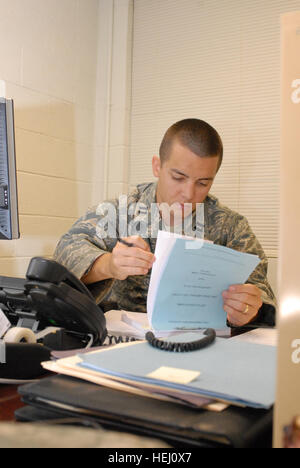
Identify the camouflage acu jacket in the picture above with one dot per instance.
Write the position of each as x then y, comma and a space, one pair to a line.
91, 237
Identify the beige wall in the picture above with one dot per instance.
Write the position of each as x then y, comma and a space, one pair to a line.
119, 97
49, 53
67, 65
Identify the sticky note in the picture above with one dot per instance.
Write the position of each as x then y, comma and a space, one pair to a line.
172, 374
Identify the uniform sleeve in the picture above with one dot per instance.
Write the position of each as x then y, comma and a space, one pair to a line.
241, 237
90, 237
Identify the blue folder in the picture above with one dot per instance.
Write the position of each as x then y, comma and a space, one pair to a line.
241, 373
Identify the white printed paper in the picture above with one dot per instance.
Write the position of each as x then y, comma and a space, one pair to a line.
186, 284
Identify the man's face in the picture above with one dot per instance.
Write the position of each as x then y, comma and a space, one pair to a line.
184, 177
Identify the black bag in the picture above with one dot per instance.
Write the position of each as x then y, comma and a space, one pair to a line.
180, 426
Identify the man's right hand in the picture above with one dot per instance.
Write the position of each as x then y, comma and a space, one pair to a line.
122, 262
131, 261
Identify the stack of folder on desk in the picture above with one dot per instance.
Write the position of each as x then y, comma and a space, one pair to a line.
231, 371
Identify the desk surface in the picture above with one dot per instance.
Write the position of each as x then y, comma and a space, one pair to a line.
10, 401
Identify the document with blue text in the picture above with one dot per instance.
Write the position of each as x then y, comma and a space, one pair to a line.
187, 281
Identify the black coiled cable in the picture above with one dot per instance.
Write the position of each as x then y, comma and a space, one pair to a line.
182, 347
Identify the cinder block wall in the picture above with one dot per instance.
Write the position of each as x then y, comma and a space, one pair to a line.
49, 54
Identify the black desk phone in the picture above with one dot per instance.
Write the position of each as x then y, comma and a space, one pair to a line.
51, 296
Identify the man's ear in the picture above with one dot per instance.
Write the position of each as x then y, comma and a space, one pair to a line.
156, 166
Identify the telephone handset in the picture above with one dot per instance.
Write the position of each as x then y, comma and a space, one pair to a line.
60, 299
50, 295
42, 269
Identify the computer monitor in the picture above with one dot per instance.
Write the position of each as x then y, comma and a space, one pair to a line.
9, 216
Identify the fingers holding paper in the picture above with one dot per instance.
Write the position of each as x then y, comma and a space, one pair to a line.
242, 303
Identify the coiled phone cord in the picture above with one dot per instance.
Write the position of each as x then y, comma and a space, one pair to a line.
182, 347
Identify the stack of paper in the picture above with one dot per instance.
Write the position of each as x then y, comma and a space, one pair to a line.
72, 366
232, 371
126, 323
265, 336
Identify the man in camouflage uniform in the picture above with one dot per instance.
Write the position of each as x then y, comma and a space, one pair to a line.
119, 275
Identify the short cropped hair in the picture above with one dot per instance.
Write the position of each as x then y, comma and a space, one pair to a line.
197, 135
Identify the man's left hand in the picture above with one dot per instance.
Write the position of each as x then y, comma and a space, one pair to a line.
242, 303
